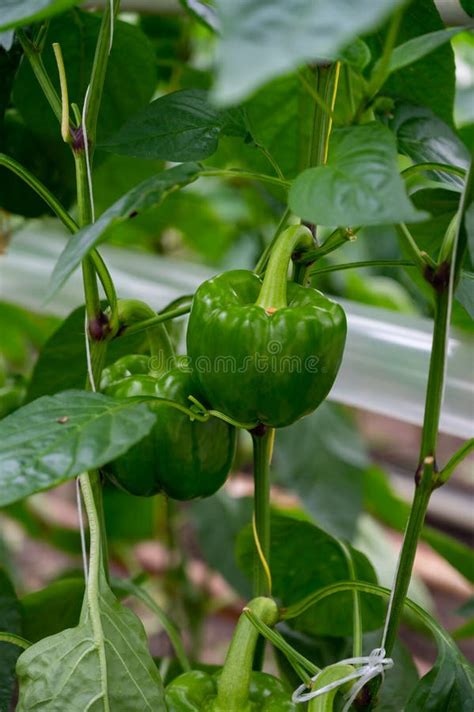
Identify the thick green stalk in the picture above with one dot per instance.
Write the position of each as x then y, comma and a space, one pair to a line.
326, 80
262, 453
234, 681
273, 292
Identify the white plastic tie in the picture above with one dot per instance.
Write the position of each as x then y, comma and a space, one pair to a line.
370, 666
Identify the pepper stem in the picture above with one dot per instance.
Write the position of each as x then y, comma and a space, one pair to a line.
131, 311
234, 681
273, 292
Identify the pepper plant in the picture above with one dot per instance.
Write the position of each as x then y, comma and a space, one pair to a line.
337, 118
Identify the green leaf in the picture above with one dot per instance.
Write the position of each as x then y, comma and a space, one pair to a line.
127, 518
10, 621
132, 56
181, 126
304, 559
49, 158
280, 118
149, 193
261, 40
67, 345
52, 609
359, 185
334, 502
16, 13
430, 81
449, 686
58, 437
419, 47
103, 663
425, 138
218, 520
465, 292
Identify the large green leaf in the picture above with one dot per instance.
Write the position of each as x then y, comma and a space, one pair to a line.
449, 686
57, 437
261, 40
102, 664
359, 185
419, 47
430, 81
15, 13
131, 57
146, 195
306, 452
52, 609
280, 118
425, 138
181, 126
67, 346
10, 621
304, 559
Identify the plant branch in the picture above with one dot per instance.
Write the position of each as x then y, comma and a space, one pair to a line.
237, 173
454, 461
262, 448
441, 167
33, 55
153, 321
362, 264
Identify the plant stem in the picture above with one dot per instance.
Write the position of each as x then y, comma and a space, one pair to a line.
99, 69
412, 248
336, 239
327, 80
440, 167
262, 262
237, 173
67, 220
272, 294
32, 52
362, 264
158, 319
13, 639
262, 454
381, 69
425, 475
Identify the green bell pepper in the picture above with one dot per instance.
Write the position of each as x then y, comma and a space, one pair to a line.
180, 457
265, 352
235, 688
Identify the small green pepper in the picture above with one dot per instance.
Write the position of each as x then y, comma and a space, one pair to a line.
235, 688
265, 352
180, 457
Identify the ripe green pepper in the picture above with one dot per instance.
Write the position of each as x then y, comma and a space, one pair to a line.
182, 458
269, 351
235, 688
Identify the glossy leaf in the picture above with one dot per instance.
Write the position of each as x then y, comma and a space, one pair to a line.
67, 345
334, 502
149, 193
103, 663
16, 13
261, 40
449, 686
359, 185
465, 292
304, 559
131, 57
426, 139
10, 621
181, 126
58, 437
419, 47
52, 609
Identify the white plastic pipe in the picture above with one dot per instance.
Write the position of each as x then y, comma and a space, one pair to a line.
386, 359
